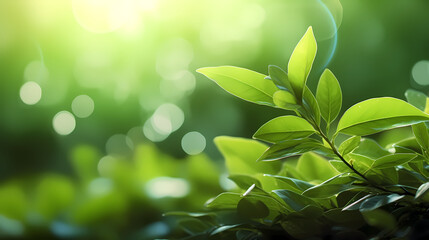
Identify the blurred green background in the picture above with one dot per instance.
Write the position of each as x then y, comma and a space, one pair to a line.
104, 124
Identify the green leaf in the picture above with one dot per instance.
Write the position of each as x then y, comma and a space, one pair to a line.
193, 226
284, 128
361, 163
379, 114
243, 83
392, 160
349, 145
225, 200
313, 167
280, 78
252, 208
290, 148
375, 202
416, 98
370, 148
301, 61
285, 100
422, 192
296, 201
331, 187
380, 219
244, 181
329, 96
356, 204
293, 183
311, 105
241, 154
340, 166
422, 136
409, 145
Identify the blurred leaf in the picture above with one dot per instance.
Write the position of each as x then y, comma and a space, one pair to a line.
193, 226
349, 145
13, 202
378, 114
352, 219
313, 167
416, 98
285, 100
85, 160
380, 219
284, 128
301, 61
243, 83
241, 154
392, 160
252, 208
329, 96
54, 194
248, 235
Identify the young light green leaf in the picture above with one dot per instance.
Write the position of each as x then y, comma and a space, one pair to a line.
379, 114
422, 192
329, 96
241, 154
280, 78
340, 166
416, 98
301, 61
370, 148
392, 160
286, 100
314, 167
361, 163
422, 136
243, 83
284, 128
349, 145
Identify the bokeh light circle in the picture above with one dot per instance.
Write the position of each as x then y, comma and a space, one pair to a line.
167, 187
64, 123
119, 145
30, 93
420, 72
193, 143
82, 106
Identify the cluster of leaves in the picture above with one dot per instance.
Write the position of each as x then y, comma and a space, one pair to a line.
350, 189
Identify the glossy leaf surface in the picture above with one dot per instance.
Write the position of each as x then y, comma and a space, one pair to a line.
329, 96
284, 128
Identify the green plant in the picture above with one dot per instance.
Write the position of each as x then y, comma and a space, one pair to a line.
350, 189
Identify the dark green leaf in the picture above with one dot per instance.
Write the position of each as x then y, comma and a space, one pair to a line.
250, 208
296, 201
329, 96
284, 128
380, 219
375, 202
378, 114
293, 183
331, 187
243, 83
